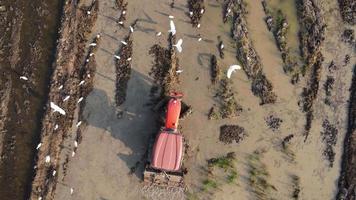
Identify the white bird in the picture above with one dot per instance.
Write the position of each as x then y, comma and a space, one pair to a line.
171, 17
92, 44
39, 198
124, 12
198, 26
121, 22
54, 172
179, 45
199, 39
231, 69
82, 82
57, 109
87, 60
91, 54
129, 59
131, 29
202, 11
221, 46
56, 127
71, 190
24, 78
98, 36
66, 98
75, 143
229, 10
73, 153
123, 42
179, 71
38, 146
88, 12
173, 28
78, 124
80, 99
117, 57
48, 159
60, 87
88, 75
159, 33
190, 13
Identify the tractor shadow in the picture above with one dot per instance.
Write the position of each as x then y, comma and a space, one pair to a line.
133, 123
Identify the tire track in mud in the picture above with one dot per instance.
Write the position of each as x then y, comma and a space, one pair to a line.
70, 68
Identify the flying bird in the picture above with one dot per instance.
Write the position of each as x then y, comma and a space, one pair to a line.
179, 45
82, 82
24, 78
78, 124
48, 159
66, 98
231, 69
173, 28
57, 109
80, 99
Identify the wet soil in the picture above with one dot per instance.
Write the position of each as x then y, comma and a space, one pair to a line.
71, 67
29, 34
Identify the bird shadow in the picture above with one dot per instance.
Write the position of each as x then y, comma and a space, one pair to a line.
133, 123
203, 57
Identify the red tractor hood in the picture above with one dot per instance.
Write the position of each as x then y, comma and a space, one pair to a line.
167, 152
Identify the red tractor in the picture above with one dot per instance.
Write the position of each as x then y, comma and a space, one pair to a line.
164, 165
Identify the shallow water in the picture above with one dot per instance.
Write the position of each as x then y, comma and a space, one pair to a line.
37, 40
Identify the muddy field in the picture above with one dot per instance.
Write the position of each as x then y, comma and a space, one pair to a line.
282, 127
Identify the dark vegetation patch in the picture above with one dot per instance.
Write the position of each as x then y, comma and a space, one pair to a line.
273, 122
122, 6
196, 9
230, 133
247, 55
329, 137
123, 71
286, 143
328, 88
296, 187
348, 11
348, 36
214, 70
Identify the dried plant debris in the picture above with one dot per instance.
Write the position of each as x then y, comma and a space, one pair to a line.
296, 187
123, 71
328, 87
329, 136
258, 177
214, 70
247, 55
310, 92
348, 11
228, 8
286, 142
185, 111
332, 67
228, 106
273, 122
164, 70
348, 36
277, 23
348, 172
230, 133
312, 31
122, 6
196, 11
